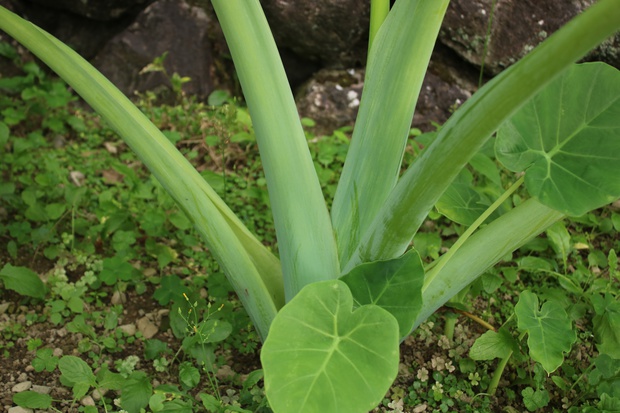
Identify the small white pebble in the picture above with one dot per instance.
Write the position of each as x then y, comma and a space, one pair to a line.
18, 409
87, 401
129, 329
20, 387
41, 389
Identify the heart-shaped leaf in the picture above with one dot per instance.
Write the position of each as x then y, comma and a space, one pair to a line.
549, 328
567, 138
394, 285
322, 357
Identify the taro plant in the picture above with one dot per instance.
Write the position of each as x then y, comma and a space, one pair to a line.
346, 287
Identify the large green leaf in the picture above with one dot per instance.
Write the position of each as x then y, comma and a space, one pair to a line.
322, 357
567, 138
23, 281
394, 285
550, 330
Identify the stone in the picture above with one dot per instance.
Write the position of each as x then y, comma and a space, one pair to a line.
18, 409
84, 35
438, 99
334, 32
96, 9
41, 389
118, 298
147, 327
517, 27
331, 98
4, 307
225, 373
23, 386
180, 30
97, 394
87, 401
129, 329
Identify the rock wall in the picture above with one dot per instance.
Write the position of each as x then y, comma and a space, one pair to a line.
322, 43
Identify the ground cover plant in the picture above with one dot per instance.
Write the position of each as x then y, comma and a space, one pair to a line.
316, 336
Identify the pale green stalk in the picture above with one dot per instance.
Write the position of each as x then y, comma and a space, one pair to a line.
438, 264
482, 250
379, 10
397, 63
253, 271
303, 227
472, 124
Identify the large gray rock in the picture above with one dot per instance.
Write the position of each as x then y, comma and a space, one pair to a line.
165, 26
332, 97
83, 35
517, 27
96, 9
334, 32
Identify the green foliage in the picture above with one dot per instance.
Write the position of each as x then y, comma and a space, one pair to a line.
32, 400
77, 374
393, 285
566, 140
45, 360
550, 332
23, 281
535, 399
492, 345
136, 392
320, 348
607, 324
318, 344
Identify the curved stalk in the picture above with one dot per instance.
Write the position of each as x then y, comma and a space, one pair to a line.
303, 226
471, 125
482, 250
397, 63
379, 10
436, 268
253, 270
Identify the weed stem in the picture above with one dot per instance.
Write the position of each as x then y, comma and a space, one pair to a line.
443, 260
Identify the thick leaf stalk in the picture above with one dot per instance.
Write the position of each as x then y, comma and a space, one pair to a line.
253, 271
303, 227
397, 63
472, 124
379, 10
482, 250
